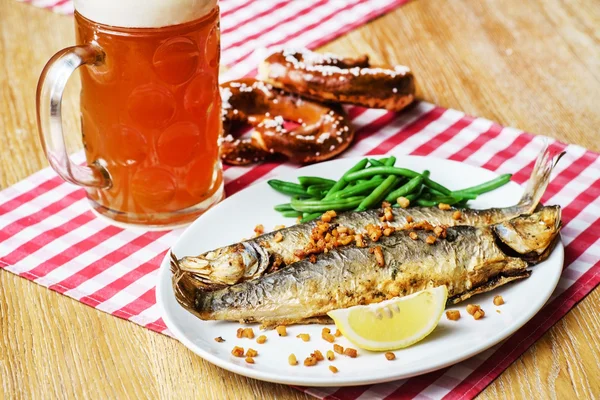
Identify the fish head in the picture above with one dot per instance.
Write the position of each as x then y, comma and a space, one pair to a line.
532, 236
227, 265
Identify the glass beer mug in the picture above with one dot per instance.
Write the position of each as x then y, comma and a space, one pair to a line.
150, 109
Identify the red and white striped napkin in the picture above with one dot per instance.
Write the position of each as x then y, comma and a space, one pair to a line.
48, 235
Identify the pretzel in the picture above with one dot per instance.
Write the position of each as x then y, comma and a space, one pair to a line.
241, 151
329, 78
320, 131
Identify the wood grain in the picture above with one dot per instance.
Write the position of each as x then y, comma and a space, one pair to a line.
532, 65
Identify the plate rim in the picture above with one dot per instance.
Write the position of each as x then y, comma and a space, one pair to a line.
338, 381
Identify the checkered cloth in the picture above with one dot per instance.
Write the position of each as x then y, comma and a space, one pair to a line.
49, 236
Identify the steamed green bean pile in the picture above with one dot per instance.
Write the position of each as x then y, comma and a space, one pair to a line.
369, 183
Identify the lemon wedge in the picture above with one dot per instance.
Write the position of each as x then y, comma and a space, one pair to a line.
392, 324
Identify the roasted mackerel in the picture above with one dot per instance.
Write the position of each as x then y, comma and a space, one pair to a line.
254, 258
467, 259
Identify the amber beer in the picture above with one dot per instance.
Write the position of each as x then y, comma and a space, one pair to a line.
150, 110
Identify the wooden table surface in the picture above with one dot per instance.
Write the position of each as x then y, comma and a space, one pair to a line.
528, 64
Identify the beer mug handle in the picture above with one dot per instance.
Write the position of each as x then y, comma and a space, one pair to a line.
49, 117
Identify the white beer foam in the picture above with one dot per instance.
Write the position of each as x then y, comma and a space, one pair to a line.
143, 13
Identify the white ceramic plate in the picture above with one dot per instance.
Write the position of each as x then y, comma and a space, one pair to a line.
451, 342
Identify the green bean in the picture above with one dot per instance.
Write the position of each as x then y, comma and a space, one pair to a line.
363, 187
318, 190
376, 163
358, 189
313, 206
399, 182
288, 188
388, 162
370, 172
407, 188
484, 187
461, 204
319, 186
466, 196
283, 207
373, 162
451, 200
291, 214
340, 184
412, 197
382, 162
433, 192
435, 201
319, 195
300, 198
425, 203
310, 216
415, 195
366, 173
436, 186
378, 194
312, 202
307, 181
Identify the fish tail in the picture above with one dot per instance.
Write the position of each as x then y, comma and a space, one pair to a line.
182, 287
539, 179
185, 286
189, 289
175, 268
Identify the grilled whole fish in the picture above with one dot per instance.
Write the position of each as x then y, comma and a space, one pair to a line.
253, 258
469, 260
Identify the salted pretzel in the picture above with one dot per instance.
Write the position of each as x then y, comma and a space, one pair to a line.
329, 78
303, 130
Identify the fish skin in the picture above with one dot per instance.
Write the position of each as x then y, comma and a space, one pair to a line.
298, 236
251, 259
229, 267
468, 261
